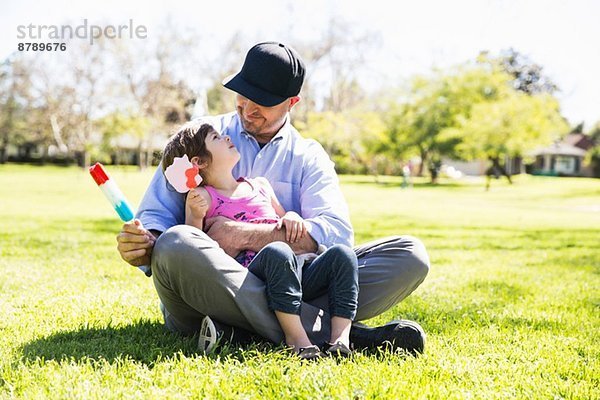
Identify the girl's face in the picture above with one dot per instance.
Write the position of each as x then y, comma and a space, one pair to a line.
224, 154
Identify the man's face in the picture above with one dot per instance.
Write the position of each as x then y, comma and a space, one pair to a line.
260, 121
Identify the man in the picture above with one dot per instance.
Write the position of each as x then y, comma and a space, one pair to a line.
202, 288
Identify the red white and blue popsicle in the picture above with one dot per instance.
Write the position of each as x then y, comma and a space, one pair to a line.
112, 192
116, 198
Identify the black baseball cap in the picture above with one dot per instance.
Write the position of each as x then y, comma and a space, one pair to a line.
271, 73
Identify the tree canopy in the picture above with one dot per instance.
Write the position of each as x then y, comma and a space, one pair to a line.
470, 111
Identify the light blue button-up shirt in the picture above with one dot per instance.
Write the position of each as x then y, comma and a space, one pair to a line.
299, 169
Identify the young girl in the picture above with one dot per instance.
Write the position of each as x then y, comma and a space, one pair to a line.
288, 280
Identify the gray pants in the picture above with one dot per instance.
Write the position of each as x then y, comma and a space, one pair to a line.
194, 277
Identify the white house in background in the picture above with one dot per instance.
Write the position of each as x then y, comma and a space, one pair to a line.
470, 168
559, 159
564, 158
479, 167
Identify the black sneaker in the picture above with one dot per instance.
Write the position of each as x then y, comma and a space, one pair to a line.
400, 334
213, 333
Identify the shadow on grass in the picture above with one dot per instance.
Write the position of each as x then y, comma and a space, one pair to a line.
147, 342
143, 341
104, 225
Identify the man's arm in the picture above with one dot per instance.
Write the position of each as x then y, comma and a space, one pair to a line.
235, 236
322, 202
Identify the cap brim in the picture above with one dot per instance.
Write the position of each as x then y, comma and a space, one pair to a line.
259, 96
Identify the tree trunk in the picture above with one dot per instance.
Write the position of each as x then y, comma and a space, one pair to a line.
140, 155
424, 159
86, 159
502, 170
496, 170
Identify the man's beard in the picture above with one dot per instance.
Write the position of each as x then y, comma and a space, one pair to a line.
248, 128
263, 127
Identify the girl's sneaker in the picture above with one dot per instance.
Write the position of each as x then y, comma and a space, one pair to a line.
338, 349
310, 353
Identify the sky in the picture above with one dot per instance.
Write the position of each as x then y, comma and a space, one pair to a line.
413, 36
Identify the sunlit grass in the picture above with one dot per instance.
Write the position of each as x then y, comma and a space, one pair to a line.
511, 305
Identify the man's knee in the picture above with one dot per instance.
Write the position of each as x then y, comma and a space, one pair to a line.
405, 258
419, 259
173, 245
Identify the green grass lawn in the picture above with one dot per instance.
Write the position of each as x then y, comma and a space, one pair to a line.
511, 305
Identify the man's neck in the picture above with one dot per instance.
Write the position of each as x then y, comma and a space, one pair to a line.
264, 138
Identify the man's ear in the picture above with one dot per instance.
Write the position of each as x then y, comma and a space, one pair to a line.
293, 101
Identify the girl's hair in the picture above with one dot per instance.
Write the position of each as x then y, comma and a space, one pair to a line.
190, 140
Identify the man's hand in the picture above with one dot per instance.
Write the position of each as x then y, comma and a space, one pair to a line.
295, 229
228, 233
135, 243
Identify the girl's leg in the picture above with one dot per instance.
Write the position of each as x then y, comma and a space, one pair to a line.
335, 272
340, 330
295, 335
277, 266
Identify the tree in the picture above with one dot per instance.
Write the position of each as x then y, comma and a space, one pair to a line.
9, 109
578, 128
154, 99
15, 96
426, 117
471, 111
116, 125
333, 63
528, 76
593, 155
348, 137
57, 111
510, 126
594, 133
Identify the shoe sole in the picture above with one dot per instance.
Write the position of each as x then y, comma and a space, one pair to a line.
207, 339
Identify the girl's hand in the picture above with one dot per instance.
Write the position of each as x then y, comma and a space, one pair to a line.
295, 227
196, 205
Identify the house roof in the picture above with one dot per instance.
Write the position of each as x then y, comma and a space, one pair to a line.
579, 140
560, 149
